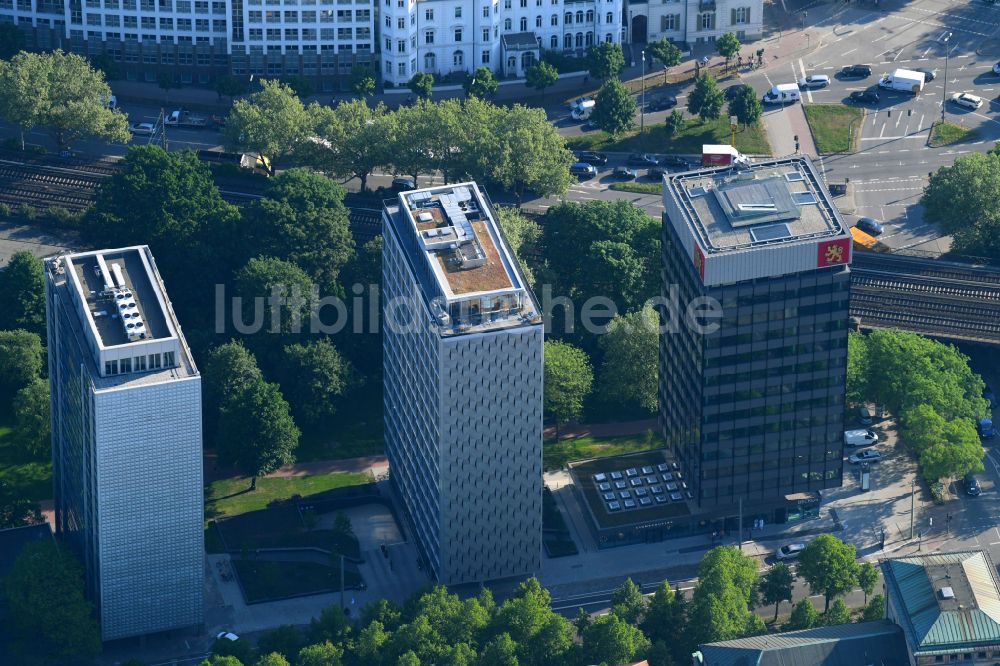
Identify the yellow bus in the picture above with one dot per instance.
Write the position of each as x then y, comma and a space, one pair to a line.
865, 241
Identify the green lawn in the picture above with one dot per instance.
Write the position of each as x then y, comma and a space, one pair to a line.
689, 140
355, 431
230, 497
27, 478
638, 188
831, 126
262, 579
557, 454
943, 134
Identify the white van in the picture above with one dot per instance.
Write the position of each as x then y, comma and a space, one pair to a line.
583, 111
783, 93
860, 438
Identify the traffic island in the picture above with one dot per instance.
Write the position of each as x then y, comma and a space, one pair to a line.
836, 128
945, 134
688, 140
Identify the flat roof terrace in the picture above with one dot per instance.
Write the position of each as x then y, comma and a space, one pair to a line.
102, 310
773, 202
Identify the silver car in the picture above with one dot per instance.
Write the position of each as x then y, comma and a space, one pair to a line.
814, 81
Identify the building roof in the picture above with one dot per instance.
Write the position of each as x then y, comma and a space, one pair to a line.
859, 644
469, 277
951, 600
519, 41
754, 220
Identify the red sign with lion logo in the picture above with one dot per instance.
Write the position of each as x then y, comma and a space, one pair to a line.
834, 252
699, 262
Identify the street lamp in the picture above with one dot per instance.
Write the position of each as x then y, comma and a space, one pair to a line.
947, 53
642, 111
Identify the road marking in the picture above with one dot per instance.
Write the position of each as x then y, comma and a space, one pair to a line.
916, 135
849, 52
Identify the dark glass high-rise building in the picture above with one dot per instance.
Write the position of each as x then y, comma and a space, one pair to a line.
753, 405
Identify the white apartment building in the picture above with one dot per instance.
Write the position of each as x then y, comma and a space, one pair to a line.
126, 440
462, 352
445, 36
693, 21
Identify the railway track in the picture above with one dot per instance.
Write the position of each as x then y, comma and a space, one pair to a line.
44, 186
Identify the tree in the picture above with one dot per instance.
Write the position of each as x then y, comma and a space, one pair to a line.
568, 379
301, 219
776, 586
959, 452
728, 45
51, 619
22, 293
229, 371
299, 84
272, 659
313, 377
970, 185
385, 611
15, 509
838, 613
627, 602
272, 122
285, 640
321, 654
222, 660
874, 609
829, 566
867, 578
354, 135
20, 361
666, 621
857, 367
522, 234
501, 651
257, 434
605, 60
727, 584
409, 658
922, 427
228, 85
581, 621
331, 625
482, 84
62, 93
664, 50
706, 99
166, 82
611, 640
240, 651
540, 76
746, 106
674, 123
31, 418
362, 80
272, 325
659, 655
421, 84
614, 109
526, 151
631, 359
370, 641
804, 616
11, 40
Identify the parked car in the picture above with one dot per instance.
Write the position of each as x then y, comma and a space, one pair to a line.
403, 184
662, 103
863, 97
814, 81
228, 635
642, 159
864, 416
868, 455
141, 128
996, 68
582, 170
790, 551
870, 226
676, 162
591, 157
734, 90
625, 173
967, 100
657, 172
856, 72
972, 487
860, 437
929, 74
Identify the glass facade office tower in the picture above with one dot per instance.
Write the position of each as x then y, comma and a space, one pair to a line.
462, 348
754, 407
126, 440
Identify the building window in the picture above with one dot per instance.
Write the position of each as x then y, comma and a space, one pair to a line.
524, 23
568, 41
458, 34
429, 37
708, 21
670, 22
401, 45
486, 57
609, 19
555, 19
401, 23
524, 3
486, 11
590, 39
486, 34
740, 15
429, 14
579, 17
126, 365
458, 12
506, 25
111, 367
568, 19
538, 21
554, 42
429, 62
607, 38
458, 59
590, 16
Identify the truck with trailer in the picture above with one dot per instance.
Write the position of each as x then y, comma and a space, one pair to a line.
903, 80
185, 118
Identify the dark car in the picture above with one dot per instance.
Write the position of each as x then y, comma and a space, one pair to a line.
856, 72
675, 162
864, 97
971, 483
732, 91
624, 173
592, 158
870, 226
929, 74
403, 184
657, 172
642, 159
662, 103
